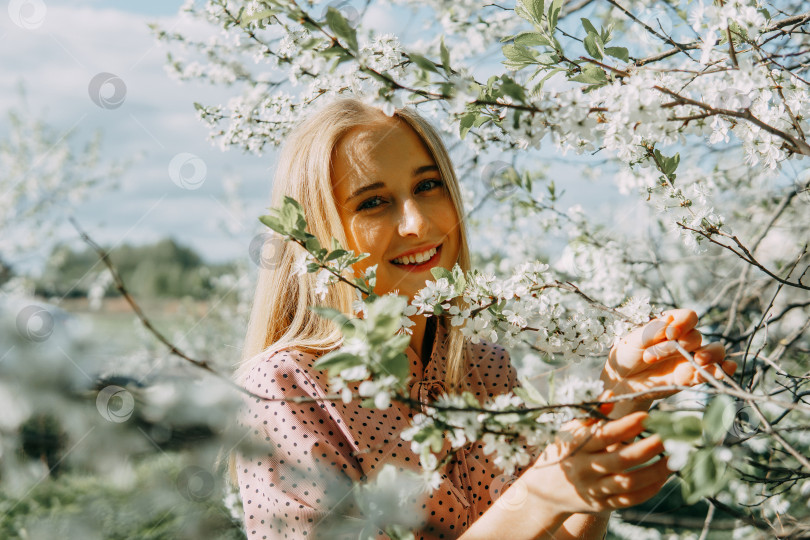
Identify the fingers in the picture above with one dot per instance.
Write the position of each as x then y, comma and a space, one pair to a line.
718, 371
686, 375
729, 367
625, 500
623, 429
628, 456
632, 481
674, 324
652, 332
665, 349
683, 320
713, 353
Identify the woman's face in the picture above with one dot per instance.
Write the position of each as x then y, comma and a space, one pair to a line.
393, 204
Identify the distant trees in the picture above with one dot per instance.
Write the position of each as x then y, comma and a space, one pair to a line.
163, 269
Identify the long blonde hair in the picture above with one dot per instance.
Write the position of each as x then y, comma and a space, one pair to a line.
279, 317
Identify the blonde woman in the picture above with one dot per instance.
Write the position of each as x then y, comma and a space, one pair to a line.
386, 186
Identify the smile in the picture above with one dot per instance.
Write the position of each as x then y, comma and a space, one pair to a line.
419, 261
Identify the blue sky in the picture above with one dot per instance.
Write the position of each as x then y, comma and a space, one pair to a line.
78, 40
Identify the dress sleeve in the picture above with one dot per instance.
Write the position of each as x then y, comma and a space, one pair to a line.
299, 465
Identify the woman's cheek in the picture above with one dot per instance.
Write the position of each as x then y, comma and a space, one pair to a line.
368, 236
449, 226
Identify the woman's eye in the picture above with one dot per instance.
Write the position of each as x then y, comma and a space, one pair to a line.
369, 203
429, 184
374, 202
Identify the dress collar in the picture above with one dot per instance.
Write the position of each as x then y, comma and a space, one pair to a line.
428, 385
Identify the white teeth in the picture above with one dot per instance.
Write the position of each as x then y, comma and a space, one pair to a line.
417, 258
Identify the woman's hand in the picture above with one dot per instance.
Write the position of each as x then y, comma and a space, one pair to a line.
587, 470
647, 358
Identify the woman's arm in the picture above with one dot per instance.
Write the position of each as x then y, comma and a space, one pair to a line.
299, 463
578, 526
570, 490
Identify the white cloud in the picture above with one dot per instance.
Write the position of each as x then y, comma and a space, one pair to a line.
56, 63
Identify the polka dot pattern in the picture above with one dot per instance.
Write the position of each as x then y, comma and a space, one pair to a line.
312, 451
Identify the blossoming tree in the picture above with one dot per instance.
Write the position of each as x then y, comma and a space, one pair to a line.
699, 109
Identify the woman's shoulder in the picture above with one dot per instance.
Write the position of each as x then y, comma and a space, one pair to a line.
284, 369
487, 352
493, 365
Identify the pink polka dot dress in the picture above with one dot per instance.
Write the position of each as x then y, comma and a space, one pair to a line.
315, 450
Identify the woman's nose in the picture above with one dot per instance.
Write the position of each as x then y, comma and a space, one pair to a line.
413, 221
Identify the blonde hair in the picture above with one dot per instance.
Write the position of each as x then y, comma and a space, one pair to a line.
279, 318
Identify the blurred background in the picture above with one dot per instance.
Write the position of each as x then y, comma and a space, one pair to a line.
96, 129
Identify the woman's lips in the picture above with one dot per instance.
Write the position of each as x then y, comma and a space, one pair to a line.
421, 266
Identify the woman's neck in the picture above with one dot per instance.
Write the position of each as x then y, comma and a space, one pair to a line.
424, 331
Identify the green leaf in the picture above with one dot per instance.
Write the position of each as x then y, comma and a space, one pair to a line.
517, 57
422, 62
439, 272
313, 245
718, 418
360, 282
589, 28
335, 254
553, 13
618, 52
539, 86
531, 10
336, 361
341, 27
686, 428
532, 394
703, 475
398, 364
674, 162
273, 223
511, 89
466, 123
594, 46
591, 74
667, 165
445, 55
481, 120
531, 39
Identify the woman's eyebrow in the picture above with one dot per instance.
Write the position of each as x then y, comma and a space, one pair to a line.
424, 168
367, 187
416, 172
